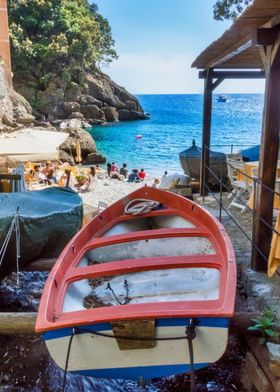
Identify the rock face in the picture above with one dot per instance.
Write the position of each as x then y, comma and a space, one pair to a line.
15, 114
14, 109
68, 150
95, 98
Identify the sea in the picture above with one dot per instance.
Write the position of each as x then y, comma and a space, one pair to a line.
175, 120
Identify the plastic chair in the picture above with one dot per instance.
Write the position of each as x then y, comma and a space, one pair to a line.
235, 170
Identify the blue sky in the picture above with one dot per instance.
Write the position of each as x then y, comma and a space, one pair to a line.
157, 40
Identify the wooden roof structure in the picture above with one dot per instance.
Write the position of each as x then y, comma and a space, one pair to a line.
238, 47
250, 48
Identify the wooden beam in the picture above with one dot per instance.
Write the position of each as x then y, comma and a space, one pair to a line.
206, 131
266, 36
262, 234
17, 323
217, 83
233, 51
233, 74
24, 323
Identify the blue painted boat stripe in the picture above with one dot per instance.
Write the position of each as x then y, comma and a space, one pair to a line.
176, 322
134, 373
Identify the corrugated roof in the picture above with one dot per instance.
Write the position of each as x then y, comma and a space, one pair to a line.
224, 52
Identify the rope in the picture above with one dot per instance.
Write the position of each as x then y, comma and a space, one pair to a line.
140, 206
67, 359
116, 298
14, 228
191, 335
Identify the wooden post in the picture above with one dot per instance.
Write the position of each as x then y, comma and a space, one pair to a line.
5, 55
206, 130
262, 234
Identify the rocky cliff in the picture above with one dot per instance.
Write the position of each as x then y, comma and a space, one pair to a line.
16, 114
92, 97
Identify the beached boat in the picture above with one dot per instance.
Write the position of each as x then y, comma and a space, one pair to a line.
190, 160
129, 285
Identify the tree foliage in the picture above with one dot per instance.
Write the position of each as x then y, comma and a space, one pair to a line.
58, 36
229, 9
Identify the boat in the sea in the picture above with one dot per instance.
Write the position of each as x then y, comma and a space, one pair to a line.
36, 224
222, 98
190, 160
126, 289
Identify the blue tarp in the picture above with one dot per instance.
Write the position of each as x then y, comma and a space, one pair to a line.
48, 219
251, 154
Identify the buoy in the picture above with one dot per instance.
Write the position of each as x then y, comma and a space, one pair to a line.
139, 137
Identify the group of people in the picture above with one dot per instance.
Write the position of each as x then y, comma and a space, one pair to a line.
123, 174
63, 175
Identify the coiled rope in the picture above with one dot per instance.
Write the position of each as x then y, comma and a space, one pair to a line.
14, 228
140, 206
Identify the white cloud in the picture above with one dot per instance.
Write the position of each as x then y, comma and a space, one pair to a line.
151, 73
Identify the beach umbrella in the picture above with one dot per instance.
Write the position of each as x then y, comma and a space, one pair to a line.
31, 145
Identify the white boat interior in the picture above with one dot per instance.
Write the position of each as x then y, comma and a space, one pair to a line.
149, 223
148, 248
166, 285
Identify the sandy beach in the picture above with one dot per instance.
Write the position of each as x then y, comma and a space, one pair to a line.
109, 190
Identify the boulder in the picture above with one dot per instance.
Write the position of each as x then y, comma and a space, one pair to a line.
71, 107
130, 115
111, 114
94, 158
76, 115
90, 100
26, 119
92, 111
8, 120
66, 157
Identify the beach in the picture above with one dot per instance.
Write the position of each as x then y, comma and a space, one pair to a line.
109, 190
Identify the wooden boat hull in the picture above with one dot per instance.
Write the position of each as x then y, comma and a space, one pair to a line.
171, 264
98, 356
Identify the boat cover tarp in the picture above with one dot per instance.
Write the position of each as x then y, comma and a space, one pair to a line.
190, 162
48, 219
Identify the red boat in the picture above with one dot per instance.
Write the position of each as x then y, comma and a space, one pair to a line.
127, 286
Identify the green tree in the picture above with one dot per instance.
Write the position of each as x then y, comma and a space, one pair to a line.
229, 9
59, 37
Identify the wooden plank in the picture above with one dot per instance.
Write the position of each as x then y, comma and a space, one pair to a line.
139, 328
265, 36
17, 323
256, 374
262, 234
206, 131
234, 74
262, 355
39, 265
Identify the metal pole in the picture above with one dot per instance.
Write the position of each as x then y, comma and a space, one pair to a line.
254, 217
221, 190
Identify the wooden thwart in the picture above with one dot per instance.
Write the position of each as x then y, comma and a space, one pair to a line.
139, 328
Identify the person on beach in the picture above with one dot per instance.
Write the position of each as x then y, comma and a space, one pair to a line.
109, 168
165, 181
38, 175
114, 167
133, 177
124, 170
92, 175
98, 169
67, 179
50, 177
156, 183
142, 175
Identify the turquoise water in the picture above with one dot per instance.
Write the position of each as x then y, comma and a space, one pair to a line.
175, 121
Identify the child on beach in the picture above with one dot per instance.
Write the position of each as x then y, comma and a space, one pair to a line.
156, 183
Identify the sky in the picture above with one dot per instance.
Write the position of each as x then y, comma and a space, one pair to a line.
157, 41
